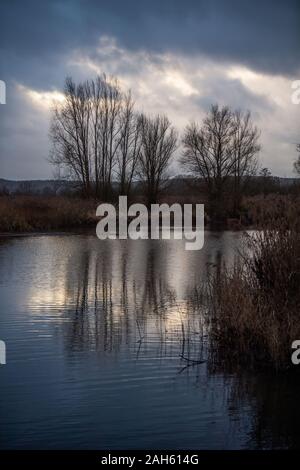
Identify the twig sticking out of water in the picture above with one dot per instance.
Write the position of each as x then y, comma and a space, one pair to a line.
192, 362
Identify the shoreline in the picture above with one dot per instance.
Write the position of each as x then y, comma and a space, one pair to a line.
89, 229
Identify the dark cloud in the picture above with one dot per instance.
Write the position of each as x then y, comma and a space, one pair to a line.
262, 34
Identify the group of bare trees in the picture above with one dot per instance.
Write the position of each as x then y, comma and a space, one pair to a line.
99, 138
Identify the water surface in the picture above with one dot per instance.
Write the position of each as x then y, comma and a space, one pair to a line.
97, 336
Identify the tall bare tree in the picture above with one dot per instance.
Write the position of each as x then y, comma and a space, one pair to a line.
222, 147
130, 145
245, 149
109, 129
86, 132
158, 144
70, 134
208, 152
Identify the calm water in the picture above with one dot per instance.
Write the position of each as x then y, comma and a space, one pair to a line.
95, 331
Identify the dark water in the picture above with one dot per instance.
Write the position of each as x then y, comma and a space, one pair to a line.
95, 331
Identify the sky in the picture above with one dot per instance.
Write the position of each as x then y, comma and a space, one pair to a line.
178, 58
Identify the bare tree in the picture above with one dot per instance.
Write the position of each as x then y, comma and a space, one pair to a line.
208, 152
85, 132
245, 150
267, 183
109, 128
224, 146
158, 144
265, 173
130, 145
70, 135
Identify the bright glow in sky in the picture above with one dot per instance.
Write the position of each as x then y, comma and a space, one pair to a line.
184, 88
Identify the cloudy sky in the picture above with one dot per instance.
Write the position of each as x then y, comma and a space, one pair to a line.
177, 56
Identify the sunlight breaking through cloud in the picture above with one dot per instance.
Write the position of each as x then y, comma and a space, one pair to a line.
42, 99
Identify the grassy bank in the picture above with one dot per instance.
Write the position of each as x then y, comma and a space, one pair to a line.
256, 304
32, 213
28, 213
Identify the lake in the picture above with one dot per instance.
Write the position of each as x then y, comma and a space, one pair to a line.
105, 348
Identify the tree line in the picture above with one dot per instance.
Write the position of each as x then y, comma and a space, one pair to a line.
100, 138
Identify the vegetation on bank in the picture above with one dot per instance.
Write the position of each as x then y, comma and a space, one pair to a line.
255, 304
39, 213
29, 213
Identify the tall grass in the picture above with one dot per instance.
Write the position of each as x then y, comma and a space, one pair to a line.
36, 213
256, 304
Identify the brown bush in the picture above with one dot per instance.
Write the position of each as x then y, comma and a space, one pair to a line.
256, 303
36, 213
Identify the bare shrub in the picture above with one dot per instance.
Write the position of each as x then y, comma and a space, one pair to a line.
36, 213
256, 303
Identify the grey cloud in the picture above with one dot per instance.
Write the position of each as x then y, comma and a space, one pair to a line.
38, 39
261, 34
233, 93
